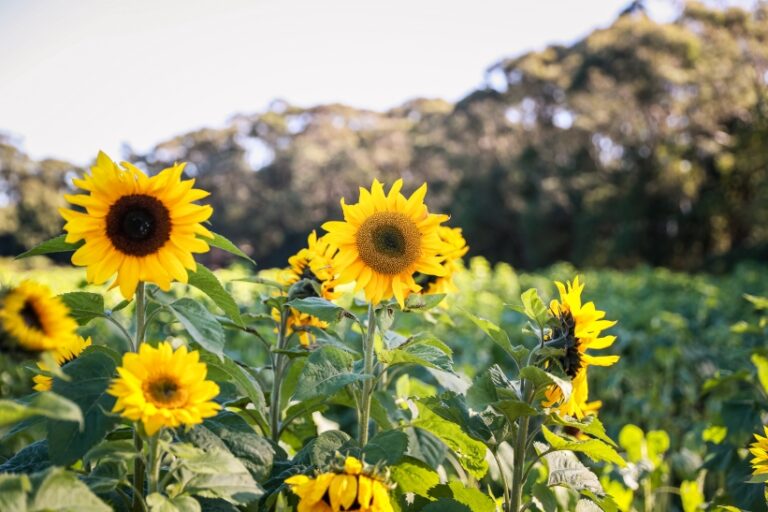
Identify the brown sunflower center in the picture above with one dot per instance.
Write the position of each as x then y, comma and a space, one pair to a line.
30, 316
389, 242
138, 224
165, 392
566, 337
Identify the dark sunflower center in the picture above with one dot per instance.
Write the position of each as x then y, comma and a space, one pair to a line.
29, 314
389, 242
566, 336
138, 224
164, 391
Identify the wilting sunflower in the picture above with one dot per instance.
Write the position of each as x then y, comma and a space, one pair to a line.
760, 450
63, 354
32, 319
142, 228
347, 489
384, 240
454, 249
164, 388
578, 327
314, 262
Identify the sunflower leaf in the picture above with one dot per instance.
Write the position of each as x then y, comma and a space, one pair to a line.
326, 371
62, 490
56, 244
223, 243
542, 380
388, 446
565, 469
84, 306
207, 282
413, 475
319, 307
592, 448
201, 325
496, 333
45, 404
534, 307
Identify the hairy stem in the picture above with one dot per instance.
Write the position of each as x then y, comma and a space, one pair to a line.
277, 379
364, 415
521, 443
138, 463
153, 471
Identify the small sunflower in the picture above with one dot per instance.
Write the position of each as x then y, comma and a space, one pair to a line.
32, 319
348, 489
314, 262
760, 450
142, 228
384, 240
578, 328
297, 322
63, 354
164, 388
454, 249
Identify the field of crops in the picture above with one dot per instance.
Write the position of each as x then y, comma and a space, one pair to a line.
683, 402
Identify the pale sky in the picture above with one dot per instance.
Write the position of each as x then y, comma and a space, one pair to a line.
77, 76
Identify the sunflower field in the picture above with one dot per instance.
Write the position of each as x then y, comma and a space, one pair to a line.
379, 370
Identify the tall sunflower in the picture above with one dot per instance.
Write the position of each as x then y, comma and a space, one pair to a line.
32, 319
164, 388
384, 240
455, 247
349, 489
142, 228
314, 262
578, 327
63, 354
760, 450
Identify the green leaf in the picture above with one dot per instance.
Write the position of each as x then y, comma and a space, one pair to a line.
90, 375
413, 475
499, 336
319, 307
542, 380
470, 452
534, 307
419, 353
446, 505
419, 302
207, 282
388, 446
589, 425
13, 492
159, 503
110, 451
201, 325
592, 448
759, 302
326, 371
219, 474
51, 246
474, 498
84, 306
225, 244
61, 490
514, 409
761, 363
45, 404
30, 459
566, 470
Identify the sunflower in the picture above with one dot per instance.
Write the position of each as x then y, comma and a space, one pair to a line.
298, 322
32, 319
384, 240
164, 388
63, 354
314, 262
454, 249
578, 328
142, 228
348, 489
760, 450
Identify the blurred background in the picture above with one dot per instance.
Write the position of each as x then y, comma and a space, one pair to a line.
603, 133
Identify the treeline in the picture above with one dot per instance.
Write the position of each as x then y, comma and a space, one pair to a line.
643, 142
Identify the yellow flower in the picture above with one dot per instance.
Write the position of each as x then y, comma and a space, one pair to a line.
454, 249
760, 450
63, 354
298, 320
579, 327
384, 240
348, 489
313, 262
142, 228
164, 388
32, 319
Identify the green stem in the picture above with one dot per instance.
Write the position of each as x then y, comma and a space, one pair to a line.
138, 463
153, 471
364, 414
521, 442
277, 380
504, 480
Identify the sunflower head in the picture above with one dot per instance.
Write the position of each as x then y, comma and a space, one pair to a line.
63, 354
384, 240
138, 227
298, 322
314, 263
164, 388
577, 327
759, 450
33, 320
454, 248
348, 488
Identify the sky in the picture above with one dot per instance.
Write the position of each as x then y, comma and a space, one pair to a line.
79, 76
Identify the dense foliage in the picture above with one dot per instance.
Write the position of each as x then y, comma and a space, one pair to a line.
643, 142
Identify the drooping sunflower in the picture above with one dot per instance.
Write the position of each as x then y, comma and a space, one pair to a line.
164, 388
314, 262
455, 247
384, 240
348, 489
32, 319
760, 450
142, 228
63, 354
578, 327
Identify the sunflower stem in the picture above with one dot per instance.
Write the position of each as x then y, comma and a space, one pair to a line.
277, 380
521, 442
364, 414
153, 469
138, 463
504, 479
